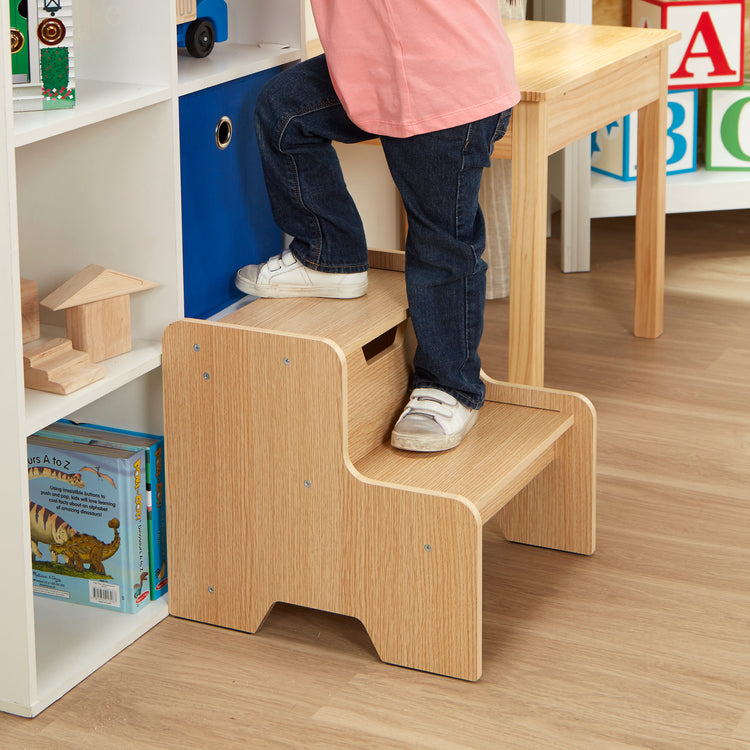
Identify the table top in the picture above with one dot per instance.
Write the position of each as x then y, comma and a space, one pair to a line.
552, 58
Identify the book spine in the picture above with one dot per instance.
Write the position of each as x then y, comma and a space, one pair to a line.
158, 532
139, 595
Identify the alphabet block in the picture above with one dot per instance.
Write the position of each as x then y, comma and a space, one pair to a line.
711, 51
614, 148
728, 128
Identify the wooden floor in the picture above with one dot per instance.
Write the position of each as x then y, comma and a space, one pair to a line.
644, 645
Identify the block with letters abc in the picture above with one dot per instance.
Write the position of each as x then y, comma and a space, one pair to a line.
728, 128
711, 50
614, 148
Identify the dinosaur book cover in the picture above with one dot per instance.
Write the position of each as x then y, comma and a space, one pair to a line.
87, 511
94, 434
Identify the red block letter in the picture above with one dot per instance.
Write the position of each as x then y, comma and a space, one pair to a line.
715, 51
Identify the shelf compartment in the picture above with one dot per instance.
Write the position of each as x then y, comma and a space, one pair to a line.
95, 101
229, 61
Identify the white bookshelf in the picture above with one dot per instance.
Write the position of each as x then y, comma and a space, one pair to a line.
99, 183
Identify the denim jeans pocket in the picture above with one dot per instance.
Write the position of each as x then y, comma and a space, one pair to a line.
502, 124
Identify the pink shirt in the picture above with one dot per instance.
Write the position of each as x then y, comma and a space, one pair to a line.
405, 67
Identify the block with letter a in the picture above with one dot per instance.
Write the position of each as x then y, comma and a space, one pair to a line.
711, 50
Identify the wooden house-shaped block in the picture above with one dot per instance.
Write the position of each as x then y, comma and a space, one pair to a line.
97, 309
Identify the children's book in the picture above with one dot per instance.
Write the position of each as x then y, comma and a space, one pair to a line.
94, 434
89, 539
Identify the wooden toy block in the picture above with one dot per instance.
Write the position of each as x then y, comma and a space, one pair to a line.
55, 366
29, 310
97, 309
277, 425
100, 328
711, 51
728, 128
614, 147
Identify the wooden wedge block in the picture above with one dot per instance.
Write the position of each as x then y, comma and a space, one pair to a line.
92, 284
56, 367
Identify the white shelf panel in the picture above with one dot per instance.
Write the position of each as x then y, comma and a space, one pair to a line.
227, 62
703, 190
72, 641
44, 408
95, 101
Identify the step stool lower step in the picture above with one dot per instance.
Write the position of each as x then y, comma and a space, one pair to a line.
508, 446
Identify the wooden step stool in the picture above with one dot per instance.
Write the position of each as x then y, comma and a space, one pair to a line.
283, 485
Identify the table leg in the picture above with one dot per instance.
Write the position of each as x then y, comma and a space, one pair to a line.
650, 213
528, 247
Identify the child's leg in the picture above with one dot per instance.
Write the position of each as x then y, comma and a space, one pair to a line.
438, 175
297, 116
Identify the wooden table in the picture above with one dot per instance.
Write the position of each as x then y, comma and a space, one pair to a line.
573, 80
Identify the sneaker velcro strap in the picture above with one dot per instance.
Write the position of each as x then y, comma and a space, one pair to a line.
431, 402
274, 263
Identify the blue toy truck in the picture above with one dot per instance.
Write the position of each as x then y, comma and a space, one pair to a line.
200, 24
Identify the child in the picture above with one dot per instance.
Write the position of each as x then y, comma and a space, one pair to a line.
435, 80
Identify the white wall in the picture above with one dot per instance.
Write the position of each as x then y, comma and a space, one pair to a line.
310, 22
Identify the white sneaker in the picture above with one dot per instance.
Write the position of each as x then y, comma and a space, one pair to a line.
432, 421
284, 276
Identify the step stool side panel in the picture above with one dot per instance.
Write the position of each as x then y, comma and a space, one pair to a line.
415, 567
207, 473
557, 509
267, 411
265, 506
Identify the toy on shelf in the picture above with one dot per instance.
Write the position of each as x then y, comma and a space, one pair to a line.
710, 55
97, 309
728, 128
51, 365
56, 367
42, 59
200, 24
29, 310
614, 148
710, 52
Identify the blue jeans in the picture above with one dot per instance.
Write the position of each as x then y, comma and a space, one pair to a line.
438, 174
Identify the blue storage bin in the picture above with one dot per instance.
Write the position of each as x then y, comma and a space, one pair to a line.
226, 216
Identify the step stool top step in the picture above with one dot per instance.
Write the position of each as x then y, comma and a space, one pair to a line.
505, 450
350, 323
